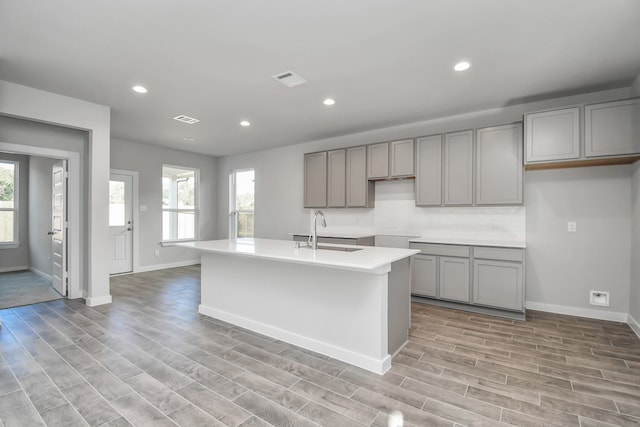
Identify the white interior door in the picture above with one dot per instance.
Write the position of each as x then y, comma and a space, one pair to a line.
121, 223
58, 231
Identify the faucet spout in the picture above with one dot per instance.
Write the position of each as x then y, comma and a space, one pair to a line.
314, 231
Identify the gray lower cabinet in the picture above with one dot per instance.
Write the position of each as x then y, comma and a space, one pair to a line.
378, 160
498, 277
453, 280
315, 180
336, 178
483, 276
458, 168
360, 192
499, 167
552, 135
612, 128
424, 275
429, 171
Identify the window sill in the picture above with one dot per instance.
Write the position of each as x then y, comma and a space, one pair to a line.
166, 243
13, 245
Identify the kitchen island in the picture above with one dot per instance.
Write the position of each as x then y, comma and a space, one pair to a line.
351, 303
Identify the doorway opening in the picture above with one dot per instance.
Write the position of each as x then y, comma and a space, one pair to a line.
123, 219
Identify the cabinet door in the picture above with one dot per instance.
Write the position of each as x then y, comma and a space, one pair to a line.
498, 284
612, 128
453, 280
359, 189
458, 168
552, 135
401, 155
424, 277
336, 179
378, 160
499, 165
429, 171
315, 180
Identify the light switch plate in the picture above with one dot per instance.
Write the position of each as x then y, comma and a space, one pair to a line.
571, 226
143, 208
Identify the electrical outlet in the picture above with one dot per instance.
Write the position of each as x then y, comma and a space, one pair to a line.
156, 252
571, 226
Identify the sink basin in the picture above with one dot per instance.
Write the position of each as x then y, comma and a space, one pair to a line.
340, 249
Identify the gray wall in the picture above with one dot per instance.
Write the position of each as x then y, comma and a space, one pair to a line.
12, 259
634, 299
147, 160
40, 214
635, 86
563, 267
279, 201
26, 132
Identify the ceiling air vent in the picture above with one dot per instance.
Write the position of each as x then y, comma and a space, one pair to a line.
186, 119
289, 78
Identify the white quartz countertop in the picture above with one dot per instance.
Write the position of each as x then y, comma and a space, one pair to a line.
493, 239
337, 234
369, 259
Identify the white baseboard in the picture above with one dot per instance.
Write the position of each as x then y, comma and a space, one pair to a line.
633, 324
577, 311
145, 268
94, 301
361, 360
14, 268
40, 273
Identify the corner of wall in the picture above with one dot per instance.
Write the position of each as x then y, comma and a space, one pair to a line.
635, 86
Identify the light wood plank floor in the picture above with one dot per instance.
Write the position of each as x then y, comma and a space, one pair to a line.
150, 359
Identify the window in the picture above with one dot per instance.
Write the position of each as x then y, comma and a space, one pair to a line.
179, 203
8, 202
242, 203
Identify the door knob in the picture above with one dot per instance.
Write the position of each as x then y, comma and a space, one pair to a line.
129, 229
51, 233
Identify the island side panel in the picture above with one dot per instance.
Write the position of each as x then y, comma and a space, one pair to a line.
336, 312
399, 305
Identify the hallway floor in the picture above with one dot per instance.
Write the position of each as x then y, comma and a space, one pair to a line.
19, 288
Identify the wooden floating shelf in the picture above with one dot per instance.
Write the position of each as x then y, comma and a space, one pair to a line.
582, 163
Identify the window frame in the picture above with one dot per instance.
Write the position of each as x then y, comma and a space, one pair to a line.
16, 205
195, 209
234, 213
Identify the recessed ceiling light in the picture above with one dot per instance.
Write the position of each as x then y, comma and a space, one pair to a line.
245, 123
139, 89
189, 138
461, 66
329, 101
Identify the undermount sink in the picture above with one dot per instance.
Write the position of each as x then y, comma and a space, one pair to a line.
337, 248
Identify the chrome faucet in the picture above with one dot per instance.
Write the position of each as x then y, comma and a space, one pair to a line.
313, 236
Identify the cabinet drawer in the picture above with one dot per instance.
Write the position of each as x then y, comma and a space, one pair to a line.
501, 254
445, 250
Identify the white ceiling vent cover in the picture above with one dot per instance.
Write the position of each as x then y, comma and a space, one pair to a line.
186, 119
289, 79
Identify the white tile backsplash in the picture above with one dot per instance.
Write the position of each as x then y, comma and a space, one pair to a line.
395, 213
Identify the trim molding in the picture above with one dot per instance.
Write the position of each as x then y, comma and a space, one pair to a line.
613, 316
145, 268
378, 366
633, 324
14, 268
40, 273
93, 301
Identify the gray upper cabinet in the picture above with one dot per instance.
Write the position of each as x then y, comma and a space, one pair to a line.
378, 160
401, 158
552, 135
612, 128
359, 191
429, 171
458, 168
336, 178
315, 180
499, 165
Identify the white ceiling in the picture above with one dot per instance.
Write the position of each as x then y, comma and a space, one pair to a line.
385, 62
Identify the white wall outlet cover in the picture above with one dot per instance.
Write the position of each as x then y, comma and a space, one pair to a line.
143, 208
600, 298
156, 252
572, 226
